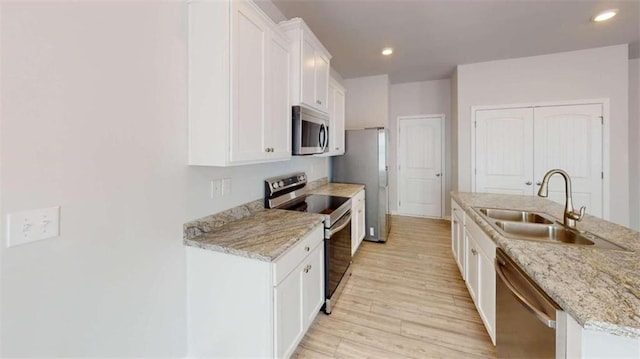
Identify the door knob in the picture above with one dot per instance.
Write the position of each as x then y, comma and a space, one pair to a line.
528, 183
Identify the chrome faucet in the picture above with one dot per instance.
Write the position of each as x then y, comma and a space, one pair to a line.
570, 217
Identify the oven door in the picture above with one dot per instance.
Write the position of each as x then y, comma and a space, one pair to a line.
337, 257
310, 131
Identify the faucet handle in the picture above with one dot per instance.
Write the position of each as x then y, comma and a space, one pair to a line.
578, 216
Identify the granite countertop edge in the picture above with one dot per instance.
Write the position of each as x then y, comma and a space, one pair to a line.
587, 320
311, 220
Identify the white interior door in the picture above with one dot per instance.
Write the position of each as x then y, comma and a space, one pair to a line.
570, 138
504, 151
420, 166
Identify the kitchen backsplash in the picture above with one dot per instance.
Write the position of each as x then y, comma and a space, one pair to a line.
206, 224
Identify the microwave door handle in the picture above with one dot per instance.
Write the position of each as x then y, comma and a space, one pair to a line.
322, 137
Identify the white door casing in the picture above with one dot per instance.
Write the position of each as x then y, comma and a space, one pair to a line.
420, 177
504, 151
570, 138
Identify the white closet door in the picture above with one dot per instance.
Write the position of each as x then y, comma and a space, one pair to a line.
570, 138
504, 151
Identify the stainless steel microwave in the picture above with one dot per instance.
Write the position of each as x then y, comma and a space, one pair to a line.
310, 131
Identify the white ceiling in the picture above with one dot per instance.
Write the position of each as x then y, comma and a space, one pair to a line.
431, 37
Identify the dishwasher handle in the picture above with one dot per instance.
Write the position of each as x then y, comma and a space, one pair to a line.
542, 316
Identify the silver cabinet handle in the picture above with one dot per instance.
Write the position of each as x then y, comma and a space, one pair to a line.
474, 251
306, 248
538, 183
528, 183
455, 222
438, 174
307, 268
319, 102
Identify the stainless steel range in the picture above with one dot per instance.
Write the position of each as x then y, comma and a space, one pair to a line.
289, 193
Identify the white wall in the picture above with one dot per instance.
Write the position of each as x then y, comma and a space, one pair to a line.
367, 102
454, 132
586, 74
634, 142
418, 98
93, 119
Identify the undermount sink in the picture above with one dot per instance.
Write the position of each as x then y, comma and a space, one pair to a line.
536, 226
515, 215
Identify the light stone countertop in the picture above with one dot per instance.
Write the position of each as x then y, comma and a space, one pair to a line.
264, 235
599, 288
338, 189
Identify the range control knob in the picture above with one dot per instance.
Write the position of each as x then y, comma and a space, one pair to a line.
275, 185
281, 183
302, 178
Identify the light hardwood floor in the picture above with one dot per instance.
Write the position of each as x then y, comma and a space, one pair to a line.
405, 299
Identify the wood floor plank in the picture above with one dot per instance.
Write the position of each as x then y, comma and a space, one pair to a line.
405, 299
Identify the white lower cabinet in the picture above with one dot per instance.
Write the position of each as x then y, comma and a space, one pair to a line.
243, 307
358, 227
477, 253
574, 341
298, 299
457, 236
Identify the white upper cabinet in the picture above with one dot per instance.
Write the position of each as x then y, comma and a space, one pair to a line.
336, 118
310, 66
239, 80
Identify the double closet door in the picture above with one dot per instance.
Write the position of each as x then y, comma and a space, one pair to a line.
515, 147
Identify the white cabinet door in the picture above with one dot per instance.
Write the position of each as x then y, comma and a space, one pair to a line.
312, 285
457, 243
322, 81
471, 254
308, 88
504, 151
278, 124
358, 230
570, 138
338, 122
239, 79
289, 319
487, 292
249, 39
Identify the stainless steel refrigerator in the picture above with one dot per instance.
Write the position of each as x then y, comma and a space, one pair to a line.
365, 162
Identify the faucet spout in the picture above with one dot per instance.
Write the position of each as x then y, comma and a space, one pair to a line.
570, 216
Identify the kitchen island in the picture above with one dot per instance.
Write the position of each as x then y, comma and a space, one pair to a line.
599, 288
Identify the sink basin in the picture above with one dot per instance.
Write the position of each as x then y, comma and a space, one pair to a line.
515, 215
548, 232
536, 226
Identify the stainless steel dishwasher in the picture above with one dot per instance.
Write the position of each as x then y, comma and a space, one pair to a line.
525, 315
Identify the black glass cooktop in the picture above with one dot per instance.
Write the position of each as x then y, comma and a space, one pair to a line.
317, 203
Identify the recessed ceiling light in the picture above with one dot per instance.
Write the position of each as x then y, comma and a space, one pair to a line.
605, 15
387, 51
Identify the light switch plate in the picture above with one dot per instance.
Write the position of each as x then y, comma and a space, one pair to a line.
226, 186
30, 226
216, 188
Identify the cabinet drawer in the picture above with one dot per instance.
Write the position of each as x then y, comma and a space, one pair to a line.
297, 254
456, 210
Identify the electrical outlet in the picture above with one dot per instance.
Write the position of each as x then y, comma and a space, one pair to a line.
216, 188
30, 226
226, 186
371, 233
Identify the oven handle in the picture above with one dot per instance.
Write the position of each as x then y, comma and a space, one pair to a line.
339, 225
543, 317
